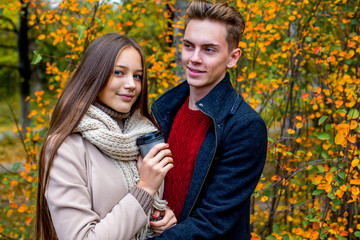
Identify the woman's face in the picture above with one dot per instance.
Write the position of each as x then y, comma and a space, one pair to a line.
124, 85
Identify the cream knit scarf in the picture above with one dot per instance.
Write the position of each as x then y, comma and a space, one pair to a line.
120, 145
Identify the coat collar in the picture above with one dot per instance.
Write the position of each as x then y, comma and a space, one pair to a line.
218, 103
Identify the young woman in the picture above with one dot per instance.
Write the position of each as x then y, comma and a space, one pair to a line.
90, 186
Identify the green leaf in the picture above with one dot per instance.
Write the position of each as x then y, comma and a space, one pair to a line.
80, 30
353, 113
37, 58
341, 111
331, 195
324, 136
317, 192
321, 168
285, 237
322, 119
336, 202
16, 166
270, 140
275, 228
339, 237
324, 155
341, 174
357, 233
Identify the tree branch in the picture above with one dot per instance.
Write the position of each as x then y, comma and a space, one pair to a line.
7, 47
11, 23
9, 66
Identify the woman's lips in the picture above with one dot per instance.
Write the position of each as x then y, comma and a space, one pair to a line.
126, 97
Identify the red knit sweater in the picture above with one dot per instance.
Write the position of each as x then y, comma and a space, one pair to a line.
186, 136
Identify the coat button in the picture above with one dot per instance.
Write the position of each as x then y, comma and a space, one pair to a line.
201, 105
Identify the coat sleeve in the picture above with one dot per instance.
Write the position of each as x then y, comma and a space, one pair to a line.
69, 201
224, 203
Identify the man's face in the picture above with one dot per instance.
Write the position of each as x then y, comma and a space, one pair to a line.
205, 54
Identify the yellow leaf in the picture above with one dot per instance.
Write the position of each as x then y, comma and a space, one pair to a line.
269, 27
292, 18
340, 139
355, 190
264, 198
353, 124
290, 131
355, 162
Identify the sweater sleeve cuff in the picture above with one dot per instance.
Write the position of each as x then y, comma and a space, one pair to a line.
143, 197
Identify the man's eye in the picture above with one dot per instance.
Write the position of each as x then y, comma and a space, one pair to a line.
118, 73
137, 76
209, 50
186, 45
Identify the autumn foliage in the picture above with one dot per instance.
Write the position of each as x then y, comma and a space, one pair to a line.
299, 69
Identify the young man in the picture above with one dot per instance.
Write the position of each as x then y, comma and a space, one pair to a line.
217, 140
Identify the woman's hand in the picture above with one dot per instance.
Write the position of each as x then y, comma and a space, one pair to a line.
168, 220
154, 167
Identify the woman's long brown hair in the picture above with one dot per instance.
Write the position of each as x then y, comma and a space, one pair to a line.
80, 92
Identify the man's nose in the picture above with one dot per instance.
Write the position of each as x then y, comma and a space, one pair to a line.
196, 56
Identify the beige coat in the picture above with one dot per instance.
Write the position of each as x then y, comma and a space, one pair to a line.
87, 196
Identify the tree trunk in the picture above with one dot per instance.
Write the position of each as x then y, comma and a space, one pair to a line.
180, 9
24, 66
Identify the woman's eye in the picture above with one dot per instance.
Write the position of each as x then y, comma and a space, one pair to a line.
137, 76
118, 73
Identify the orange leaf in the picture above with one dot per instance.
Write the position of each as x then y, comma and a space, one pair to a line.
252, 75
13, 205
22, 208
328, 187
355, 181
28, 220
275, 178
41, 37
13, 183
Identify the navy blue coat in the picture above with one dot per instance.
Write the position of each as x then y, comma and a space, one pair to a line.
228, 166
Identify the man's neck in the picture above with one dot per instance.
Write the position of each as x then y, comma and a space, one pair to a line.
196, 95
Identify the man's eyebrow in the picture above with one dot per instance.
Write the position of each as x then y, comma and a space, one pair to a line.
203, 45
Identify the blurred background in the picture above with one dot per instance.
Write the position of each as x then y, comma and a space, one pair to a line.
299, 69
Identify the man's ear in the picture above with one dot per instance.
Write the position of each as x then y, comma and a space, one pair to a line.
234, 57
